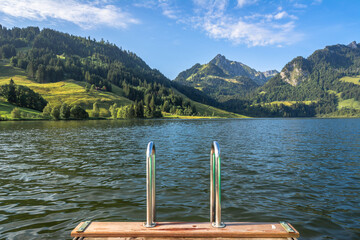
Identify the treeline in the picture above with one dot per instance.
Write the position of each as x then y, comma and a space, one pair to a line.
326, 67
326, 105
22, 96
65, 112
53, 56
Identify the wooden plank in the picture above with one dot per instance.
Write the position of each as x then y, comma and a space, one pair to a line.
150, 238
184, 230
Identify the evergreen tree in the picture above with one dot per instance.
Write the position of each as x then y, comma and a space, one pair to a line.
11, 94
64, 111
40, 74
55, 112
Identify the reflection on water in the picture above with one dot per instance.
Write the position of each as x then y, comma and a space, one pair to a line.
55, 174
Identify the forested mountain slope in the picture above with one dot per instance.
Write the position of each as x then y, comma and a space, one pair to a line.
49, 56
222, 79
325, 83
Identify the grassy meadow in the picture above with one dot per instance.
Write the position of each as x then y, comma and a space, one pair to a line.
73, 92
26, 113
354, 80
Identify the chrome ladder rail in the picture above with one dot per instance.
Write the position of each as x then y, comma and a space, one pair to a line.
215, 186
150, 186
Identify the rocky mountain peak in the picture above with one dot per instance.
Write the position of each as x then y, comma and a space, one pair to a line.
353, 45
270, 73
296, 71
219, 56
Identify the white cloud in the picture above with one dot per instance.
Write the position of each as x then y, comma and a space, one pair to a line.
167, 9
85, 14
219, 21
283, 14
242, 3
253, 30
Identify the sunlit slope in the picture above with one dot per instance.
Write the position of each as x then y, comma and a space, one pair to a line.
73, 92
211, 111
68, 91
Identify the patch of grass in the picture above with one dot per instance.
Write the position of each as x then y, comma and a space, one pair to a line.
60, 56
349, 103
290, 103
210, 111
172, 116
7, 71
26, 113
354, 80
68, 91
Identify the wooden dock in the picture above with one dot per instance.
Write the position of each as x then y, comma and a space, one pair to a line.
183, 231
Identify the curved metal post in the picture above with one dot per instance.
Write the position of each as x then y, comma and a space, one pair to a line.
215, 186
150, 186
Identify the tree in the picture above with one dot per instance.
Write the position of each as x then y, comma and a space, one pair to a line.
78, 112
11, 95
55, 112
40, 74
113, 110
7, 51
87, 87
166, 106
30, 69
152, 104
15, 113
139, 109
96, 110
47, 111
64, 111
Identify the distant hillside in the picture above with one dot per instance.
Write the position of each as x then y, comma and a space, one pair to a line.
233, 68
320, 74
324, 84
223, 79
71, 65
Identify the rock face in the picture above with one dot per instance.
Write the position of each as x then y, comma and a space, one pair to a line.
353, 45
296, 71
270, 73
234, 68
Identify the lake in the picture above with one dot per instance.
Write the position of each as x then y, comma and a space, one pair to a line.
55, 174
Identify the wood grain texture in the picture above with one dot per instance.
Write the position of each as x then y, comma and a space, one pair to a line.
150, 238
184, 230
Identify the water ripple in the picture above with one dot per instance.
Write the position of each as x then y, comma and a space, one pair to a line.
55, 174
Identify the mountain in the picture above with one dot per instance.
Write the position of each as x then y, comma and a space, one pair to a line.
270, 73
327, 83
234, 68
332, 70
97, 75
222, 78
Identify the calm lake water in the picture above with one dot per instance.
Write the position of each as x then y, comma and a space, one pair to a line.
55, 174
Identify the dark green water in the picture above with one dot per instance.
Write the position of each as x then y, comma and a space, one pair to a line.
55, 174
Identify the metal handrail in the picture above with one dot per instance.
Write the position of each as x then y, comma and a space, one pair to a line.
150, 186
215, 186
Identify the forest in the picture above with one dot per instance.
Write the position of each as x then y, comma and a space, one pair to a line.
49, 56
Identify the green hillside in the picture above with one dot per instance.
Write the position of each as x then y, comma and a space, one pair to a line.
7, 108
213, 81
73, 92
71, 70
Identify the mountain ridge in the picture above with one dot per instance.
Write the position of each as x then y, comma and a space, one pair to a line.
222, 78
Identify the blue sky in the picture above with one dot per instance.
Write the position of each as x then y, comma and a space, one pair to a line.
173, 35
